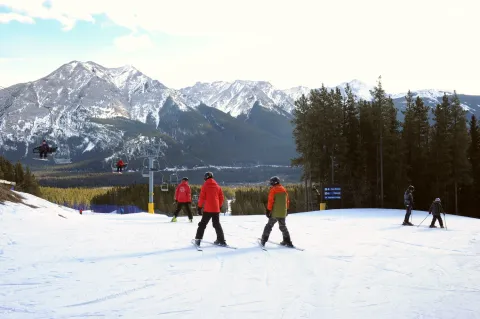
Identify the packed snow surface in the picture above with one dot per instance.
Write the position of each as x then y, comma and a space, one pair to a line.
356, 264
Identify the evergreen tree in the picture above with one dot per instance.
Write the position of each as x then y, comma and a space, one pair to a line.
474, 157
30, 184
459, 148
440, 156
19, 174
352, 177
393, 172
415, 141
368, 144
379, 105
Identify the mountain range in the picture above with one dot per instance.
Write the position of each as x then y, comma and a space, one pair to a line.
96, 114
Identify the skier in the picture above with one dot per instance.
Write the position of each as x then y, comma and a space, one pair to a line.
408, 200
278, 204
120, 165
44, 149
435, 209
209, 203
183, 199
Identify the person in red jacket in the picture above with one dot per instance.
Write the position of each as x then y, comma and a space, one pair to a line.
183, 199
120, 165
209, 206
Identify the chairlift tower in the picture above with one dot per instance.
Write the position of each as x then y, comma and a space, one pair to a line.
151, 153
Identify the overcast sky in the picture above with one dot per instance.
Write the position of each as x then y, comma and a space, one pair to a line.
421, 44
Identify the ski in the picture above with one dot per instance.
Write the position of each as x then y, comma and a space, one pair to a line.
278, 244
211, 243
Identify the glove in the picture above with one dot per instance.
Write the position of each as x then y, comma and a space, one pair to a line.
200, 211
268, 213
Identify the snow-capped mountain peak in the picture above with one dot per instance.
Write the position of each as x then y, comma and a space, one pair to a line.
239, 96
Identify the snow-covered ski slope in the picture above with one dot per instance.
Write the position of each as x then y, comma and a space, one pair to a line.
356, 264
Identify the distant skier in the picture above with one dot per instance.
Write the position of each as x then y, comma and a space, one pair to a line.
408, 200
120, 165
183, 198
209, 203
277, 210
436, 209
44, 149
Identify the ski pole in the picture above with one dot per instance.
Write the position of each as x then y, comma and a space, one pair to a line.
445, 219
423, 220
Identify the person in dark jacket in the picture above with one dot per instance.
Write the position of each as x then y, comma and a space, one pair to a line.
408, 200
183, 199
209, 206
436, 209
44, 149
277, 211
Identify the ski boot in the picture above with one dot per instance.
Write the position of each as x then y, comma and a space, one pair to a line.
220, 242
174, 219
197, 242
407, 223
433, 226
191, 220
287, 243
263, 241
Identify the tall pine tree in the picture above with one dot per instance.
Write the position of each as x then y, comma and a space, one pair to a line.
353, 167
474, 157
459, 148
440, 166
415, 142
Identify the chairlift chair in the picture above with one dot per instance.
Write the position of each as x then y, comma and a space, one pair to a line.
174, 178
52, 150
62, 157
164, 186
114, 161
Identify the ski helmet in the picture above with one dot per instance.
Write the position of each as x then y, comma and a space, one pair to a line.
274, 180
411, 188
185, 179
208, 175
437, 200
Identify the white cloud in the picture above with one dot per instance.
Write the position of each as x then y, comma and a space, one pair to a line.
412, 44
8, 17
132, 43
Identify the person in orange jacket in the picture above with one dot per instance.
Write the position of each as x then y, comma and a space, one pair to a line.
209, 206
183, 199
277, 210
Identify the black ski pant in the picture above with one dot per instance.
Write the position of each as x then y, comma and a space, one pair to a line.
43, 154
119, 168
215, 217
408, 213
187, 208
434, 219
281, 224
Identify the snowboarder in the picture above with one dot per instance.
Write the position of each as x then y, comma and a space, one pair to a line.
183, 199
408, 200
209, 203
436, 209
44, 149
120, 165
277, 210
